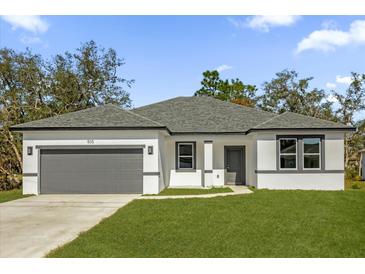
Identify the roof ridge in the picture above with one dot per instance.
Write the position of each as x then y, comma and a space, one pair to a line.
209, 98
237, 105
159, 102
141, 116
310, 116
272, 118
132, 113
286, 113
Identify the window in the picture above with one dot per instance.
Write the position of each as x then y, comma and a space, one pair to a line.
311, 153
300, 153
288, 153
185, 155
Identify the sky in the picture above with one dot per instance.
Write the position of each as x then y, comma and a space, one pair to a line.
166, 55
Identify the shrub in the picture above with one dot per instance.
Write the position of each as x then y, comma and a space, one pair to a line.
357, 178
8, 183
355, 186
351, 172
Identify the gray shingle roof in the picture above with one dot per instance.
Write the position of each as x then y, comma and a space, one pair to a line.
290, 120
107, 116
182, 115
203, 115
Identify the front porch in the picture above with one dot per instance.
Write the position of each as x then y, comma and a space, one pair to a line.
196, 161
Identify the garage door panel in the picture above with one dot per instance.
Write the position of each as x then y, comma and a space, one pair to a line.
86, 171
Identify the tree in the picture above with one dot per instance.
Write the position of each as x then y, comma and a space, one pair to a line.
355, 142
288, 93
87, 78
233, 90
353, 100
22, 82
349, 103
33, 88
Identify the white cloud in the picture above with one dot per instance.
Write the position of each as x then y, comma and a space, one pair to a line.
32, 23
223, 68
329, 39
347, 80
265, 22
330, 85
27, 40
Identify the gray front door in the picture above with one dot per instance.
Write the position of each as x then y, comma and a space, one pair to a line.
91, 171
235, 164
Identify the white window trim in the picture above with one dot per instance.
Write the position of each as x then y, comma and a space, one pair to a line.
296, 153
319, 153
186, 156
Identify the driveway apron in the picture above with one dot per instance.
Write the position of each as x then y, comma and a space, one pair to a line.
33, 226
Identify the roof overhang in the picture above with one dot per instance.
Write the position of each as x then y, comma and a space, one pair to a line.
209, 133
22, 129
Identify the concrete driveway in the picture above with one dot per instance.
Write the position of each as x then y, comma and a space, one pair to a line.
33, 226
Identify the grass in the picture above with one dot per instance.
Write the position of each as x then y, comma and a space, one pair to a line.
262, 224
354, 185
8, 195
193, 191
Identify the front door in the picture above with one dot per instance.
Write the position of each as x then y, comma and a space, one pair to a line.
235, 165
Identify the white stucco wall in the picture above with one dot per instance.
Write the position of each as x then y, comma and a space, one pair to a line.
332, 178
151, 163
311, 181
334, 149
266, 151
260, 155
196, 178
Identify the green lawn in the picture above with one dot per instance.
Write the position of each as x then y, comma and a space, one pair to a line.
263, 224
9, 195
193, 191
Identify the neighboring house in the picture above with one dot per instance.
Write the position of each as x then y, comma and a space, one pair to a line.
181, 142
362, 164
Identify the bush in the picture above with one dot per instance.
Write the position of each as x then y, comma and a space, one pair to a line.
357, 178
8, 183
355, 186
351, 172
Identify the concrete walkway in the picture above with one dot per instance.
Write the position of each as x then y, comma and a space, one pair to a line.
237, 190
33, 226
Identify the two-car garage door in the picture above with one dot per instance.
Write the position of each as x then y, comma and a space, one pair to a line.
91, 171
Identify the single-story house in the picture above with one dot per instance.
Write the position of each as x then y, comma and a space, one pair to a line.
181, 142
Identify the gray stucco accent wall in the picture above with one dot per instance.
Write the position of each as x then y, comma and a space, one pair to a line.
300, 169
